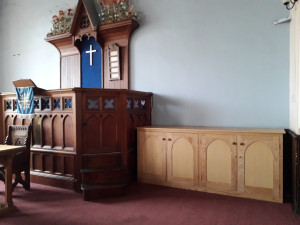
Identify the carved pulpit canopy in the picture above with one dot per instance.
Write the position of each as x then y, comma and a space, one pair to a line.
85, 37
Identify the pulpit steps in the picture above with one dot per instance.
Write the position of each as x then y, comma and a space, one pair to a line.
103, 176
95, 192
102, 160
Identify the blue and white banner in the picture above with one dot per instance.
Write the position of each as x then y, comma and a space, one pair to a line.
25, 102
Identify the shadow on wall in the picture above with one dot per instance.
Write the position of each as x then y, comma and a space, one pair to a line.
170, 111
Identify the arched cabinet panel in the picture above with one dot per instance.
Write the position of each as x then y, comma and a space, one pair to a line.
168, 158
92, 141
36, 137
152, 158
68, 132
47, 132
27, 121
8, 121
182, 159
259, 166
219, 164
109, 133
18, 121
57, 132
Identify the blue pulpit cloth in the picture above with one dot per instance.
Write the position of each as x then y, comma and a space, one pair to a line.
25, 102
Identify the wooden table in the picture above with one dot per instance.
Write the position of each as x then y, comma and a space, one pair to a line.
7, 153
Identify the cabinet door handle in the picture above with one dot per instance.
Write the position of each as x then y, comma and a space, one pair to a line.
234, 143
163, 139
169, 139
242, 144
241, 157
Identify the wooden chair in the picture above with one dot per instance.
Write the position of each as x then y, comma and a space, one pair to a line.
19, 135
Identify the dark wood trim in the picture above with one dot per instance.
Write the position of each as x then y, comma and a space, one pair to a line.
66, 142
292, 168
53, 180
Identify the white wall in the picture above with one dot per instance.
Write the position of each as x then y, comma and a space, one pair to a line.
294, 70
24, 52
214, 63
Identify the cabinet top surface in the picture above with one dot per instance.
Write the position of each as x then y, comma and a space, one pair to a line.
212, 129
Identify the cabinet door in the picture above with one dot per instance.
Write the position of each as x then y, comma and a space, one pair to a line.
219, 161
152, 162
182, 159
260, 166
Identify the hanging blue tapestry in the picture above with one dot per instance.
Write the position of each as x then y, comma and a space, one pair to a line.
25, 102
91, 63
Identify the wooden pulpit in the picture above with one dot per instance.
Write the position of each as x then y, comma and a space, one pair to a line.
84, 135
83, 138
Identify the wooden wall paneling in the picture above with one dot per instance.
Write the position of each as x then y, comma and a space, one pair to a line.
78, 107
70, 66
61, 140
58, 161
36, 161
70, 71
47, 163
137, 115
69, 165
124, 134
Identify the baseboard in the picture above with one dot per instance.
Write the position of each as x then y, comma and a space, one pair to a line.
53, 180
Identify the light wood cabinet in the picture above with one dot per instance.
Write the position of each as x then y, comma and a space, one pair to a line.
260, 165
219, 161
152, 157
168, 158
182, 159
238, 162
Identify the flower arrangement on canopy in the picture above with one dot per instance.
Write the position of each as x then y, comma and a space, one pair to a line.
61, 23
116, 10
110, 11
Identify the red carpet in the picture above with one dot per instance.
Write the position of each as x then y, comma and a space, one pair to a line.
143, 205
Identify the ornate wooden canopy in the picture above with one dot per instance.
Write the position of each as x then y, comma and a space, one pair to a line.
86, 23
